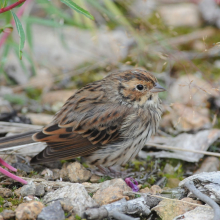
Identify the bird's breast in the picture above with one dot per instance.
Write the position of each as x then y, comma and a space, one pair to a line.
135, 131
122, 151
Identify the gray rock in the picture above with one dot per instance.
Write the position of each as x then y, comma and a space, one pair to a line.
5, 193
8, 214
66, 205
207, 182
39, 190
22, 166
56, 174
210, 11
210, 164
169, 169
52, 212
200, 141
29, 189
143, 9
217, 64
47, 173
174, 193
198, 213
7, 204
94, 187
77, 195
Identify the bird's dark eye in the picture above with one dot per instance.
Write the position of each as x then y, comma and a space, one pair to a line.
140, 87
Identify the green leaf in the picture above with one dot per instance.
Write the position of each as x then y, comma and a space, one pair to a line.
20, 32
4, 3
75, 7
6, 26
3, 59
35, 20
29, 34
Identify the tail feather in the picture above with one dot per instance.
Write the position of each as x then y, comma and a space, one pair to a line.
17, 140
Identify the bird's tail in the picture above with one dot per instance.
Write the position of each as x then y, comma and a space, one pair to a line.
16, 140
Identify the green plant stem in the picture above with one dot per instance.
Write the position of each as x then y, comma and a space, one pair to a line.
19, 14
8, 8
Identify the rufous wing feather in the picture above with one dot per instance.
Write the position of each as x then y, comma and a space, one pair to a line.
81, 131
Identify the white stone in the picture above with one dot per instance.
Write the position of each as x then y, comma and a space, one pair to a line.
180, 15
198, 213
217, 64
75, 194
207, 182
200, 141
143, 8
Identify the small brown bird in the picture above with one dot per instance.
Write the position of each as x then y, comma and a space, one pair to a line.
107, 122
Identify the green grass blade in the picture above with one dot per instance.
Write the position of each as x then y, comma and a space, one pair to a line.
20, 32
29, 34
75, 7
35, 20
4, 57
4, 3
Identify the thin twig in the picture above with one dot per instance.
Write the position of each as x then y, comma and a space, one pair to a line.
167, 147
8, 8
138, 206
142, 180
127, 193
190, 185
121, 216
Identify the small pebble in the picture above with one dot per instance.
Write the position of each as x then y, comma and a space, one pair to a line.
7, 215
7, 204
40, 190
28, 190
52, 212
5, 193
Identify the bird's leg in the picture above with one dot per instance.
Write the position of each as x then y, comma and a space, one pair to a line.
102, 171
118, 173
10, 175
7, 165
113, 172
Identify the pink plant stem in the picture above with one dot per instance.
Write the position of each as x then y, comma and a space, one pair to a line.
7, 165
12, 176
8, 8
19, 14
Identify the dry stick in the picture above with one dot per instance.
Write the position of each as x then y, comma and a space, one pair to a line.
190, 185
167, 147
138, 206
121, 216
128, 193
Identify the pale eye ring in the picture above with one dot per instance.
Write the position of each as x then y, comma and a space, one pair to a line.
140, 87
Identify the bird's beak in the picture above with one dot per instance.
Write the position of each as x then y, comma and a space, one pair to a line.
157, 88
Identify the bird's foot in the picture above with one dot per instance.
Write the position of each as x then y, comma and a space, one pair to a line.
10, 175
113, 172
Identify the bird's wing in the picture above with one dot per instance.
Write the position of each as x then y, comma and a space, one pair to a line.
80, 128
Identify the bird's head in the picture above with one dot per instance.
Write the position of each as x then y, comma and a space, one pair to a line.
136, 87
